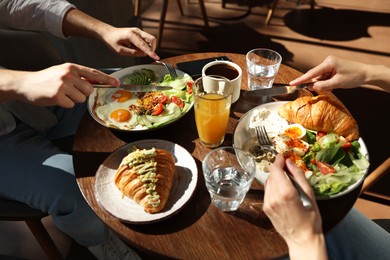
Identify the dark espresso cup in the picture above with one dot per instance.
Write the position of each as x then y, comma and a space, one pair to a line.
227, 69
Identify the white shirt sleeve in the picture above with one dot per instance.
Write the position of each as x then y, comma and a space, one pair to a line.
35, 15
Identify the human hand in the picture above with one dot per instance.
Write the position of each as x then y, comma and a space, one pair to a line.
300, 227
334, 73
62, 85
131, 42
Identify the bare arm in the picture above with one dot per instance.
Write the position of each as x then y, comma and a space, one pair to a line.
124, 41
61, 85
300, 227
334, 73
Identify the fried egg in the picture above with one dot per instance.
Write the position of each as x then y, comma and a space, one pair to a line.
113, 107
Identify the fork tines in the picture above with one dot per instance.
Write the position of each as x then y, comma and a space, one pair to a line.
170, 68
262, 136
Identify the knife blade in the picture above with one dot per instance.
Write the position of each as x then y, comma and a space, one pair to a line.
135, 87
275, 90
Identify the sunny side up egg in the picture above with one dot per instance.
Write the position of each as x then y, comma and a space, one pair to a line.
114, 107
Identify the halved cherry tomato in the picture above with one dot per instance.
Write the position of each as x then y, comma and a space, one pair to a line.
320, 134
313, 161
158, 109
161, 99
346, 145
177, 101
189, 87
325, 168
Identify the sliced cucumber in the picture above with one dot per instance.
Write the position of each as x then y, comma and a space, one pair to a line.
172, 111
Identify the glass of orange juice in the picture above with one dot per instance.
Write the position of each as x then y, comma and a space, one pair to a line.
212, 101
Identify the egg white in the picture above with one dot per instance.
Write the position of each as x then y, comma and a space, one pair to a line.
106, 105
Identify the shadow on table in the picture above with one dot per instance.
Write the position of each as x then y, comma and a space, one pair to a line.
346, 25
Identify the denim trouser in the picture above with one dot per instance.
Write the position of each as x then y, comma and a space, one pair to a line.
357, 237
36, 172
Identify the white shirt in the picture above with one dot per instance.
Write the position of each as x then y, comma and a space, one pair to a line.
35, 15
31, 15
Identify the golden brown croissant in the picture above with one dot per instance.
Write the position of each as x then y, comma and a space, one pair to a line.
324, 113
146, 176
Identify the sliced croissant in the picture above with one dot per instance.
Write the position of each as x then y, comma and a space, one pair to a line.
146, 176
324, 112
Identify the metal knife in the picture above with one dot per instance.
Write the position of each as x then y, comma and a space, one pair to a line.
135, 87
275, 90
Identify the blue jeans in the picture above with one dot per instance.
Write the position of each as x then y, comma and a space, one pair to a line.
357, 237
36, 172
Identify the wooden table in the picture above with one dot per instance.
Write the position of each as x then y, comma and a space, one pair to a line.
199, 230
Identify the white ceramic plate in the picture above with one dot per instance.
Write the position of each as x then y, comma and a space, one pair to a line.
244, 138
159, 70
127, 210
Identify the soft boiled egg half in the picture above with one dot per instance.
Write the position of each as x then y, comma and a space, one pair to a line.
114, 108
295, 131
291, 140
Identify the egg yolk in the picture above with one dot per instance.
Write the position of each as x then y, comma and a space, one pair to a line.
293, 132
121, 95
120, 115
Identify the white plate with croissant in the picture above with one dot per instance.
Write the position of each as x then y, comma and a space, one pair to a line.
325, 113
182, 184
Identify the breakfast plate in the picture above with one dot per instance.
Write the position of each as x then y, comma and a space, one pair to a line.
245, 138
127, 210
101, 103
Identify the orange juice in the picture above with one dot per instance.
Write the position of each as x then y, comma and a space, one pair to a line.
212, 116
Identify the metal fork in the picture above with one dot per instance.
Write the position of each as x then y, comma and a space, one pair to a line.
262, 136
170, 68
264, 140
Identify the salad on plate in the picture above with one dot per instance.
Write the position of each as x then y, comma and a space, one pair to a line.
121, 109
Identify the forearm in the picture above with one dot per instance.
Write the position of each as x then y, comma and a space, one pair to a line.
79, 23
378, 75
10, 84
314, 249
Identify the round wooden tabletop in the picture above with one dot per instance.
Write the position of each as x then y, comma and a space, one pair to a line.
198, 230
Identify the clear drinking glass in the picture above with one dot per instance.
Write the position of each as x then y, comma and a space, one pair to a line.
212, 101
262, 67
229, 173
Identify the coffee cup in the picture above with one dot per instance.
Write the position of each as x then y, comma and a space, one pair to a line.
227, 69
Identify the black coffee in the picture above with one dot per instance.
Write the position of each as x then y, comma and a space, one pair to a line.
223, 70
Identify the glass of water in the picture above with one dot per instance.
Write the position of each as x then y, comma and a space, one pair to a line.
229, 173
262, 66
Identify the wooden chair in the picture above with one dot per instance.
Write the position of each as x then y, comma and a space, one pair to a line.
376, 175
16, 211
137, 11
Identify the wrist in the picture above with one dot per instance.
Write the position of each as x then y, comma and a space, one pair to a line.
313, 248
378, 75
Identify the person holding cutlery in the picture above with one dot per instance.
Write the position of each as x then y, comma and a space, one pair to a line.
334, 72
355, 237
37, 108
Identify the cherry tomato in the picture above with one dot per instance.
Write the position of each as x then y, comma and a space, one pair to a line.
161, 99
320, 134
325, 168
313, 161
177, 101
189, 87
158, 109
346, 145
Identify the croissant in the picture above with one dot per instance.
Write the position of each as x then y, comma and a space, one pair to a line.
324, 113
146, 176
